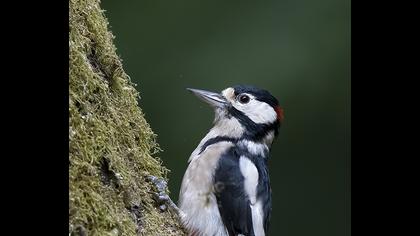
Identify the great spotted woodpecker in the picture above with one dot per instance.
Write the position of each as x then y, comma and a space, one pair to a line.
226, 188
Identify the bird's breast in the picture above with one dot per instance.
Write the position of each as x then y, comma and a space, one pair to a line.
197, 200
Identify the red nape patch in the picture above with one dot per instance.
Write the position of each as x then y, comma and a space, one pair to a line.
280, 113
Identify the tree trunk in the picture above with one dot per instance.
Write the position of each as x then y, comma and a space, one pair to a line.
112, 149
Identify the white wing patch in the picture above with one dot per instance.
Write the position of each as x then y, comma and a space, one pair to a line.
250, 173
251, 176
257, 219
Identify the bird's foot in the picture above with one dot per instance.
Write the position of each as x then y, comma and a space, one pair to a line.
161, 197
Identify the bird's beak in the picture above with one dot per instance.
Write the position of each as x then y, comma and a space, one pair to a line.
215, 100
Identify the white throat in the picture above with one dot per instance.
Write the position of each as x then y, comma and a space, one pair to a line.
228, 127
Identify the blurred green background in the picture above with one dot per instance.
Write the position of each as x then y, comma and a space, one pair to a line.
298, 50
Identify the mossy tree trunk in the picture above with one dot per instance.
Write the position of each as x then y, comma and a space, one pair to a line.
112, 148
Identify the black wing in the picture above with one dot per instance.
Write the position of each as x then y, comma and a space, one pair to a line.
234, 205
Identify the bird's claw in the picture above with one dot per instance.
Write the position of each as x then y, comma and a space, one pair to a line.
161, 197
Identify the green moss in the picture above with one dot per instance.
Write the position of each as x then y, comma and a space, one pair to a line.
112, 147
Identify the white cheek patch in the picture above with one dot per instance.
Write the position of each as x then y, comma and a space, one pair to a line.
258, 112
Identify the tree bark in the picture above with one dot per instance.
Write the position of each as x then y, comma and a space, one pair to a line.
112, 149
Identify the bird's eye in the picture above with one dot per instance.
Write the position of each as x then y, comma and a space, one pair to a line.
243, 98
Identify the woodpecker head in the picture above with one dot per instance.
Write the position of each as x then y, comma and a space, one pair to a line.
255, 111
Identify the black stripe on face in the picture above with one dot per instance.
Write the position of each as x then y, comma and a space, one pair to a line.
253, 131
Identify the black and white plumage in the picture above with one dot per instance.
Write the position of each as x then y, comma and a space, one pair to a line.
226, 188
